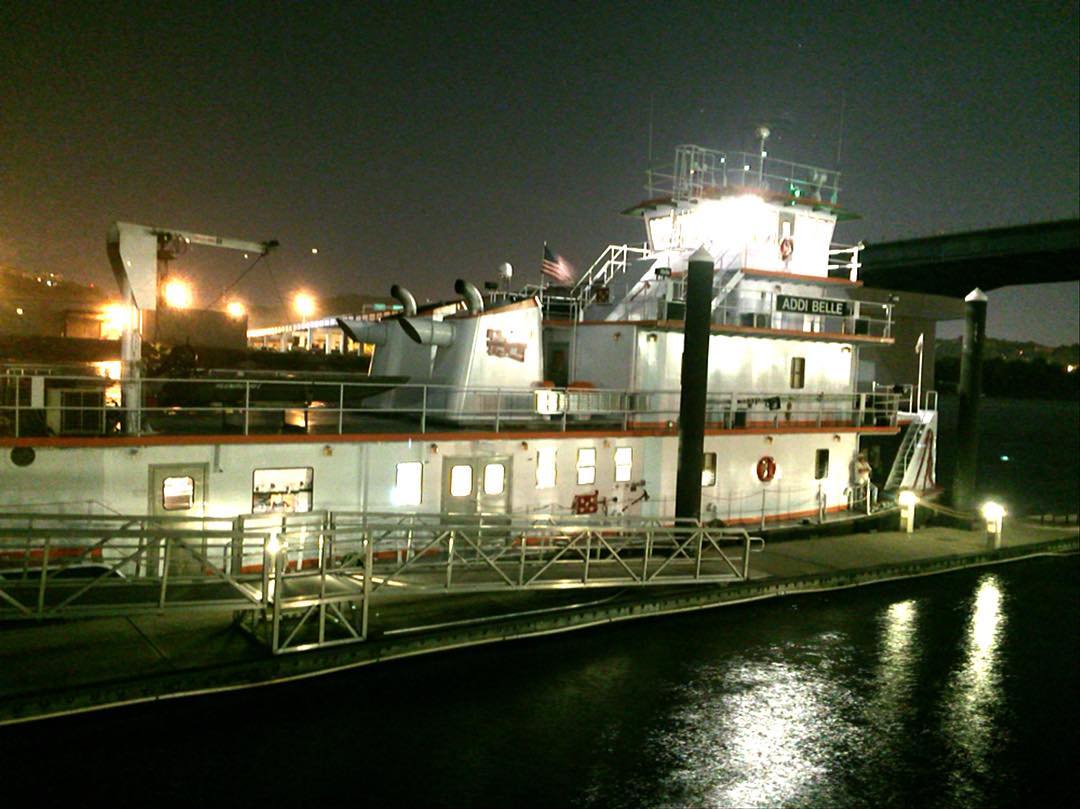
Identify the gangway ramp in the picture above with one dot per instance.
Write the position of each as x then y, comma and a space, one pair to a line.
306, 581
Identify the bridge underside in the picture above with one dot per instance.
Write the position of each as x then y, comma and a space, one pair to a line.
953, 265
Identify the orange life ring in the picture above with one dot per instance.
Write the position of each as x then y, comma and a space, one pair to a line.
766, 469
787, 247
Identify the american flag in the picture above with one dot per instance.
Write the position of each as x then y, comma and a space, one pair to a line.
557, 268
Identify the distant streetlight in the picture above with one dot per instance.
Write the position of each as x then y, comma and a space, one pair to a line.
304, 304
235, 310
178, 294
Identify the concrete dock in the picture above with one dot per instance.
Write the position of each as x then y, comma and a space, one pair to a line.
61, 667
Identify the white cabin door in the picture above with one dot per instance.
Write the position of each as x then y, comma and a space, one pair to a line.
476, 485
178, 490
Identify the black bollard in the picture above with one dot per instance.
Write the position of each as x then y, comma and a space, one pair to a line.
969, 390
694, 385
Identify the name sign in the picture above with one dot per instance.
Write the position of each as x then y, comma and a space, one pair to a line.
814, 306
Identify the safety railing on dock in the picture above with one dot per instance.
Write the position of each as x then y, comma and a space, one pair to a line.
304, 580
91, 406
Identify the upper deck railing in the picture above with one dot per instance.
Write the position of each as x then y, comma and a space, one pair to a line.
88, 406
697, 171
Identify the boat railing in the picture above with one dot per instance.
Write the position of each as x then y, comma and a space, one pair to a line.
277, 571
698, 171
79, 406
759, 309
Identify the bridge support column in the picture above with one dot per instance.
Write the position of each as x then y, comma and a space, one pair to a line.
694, 385
969, 390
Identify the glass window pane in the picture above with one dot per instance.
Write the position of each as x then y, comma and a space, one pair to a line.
545, 467
586, 456
461, 480
178, 493
586, 475
409, 482
287, 490
494, 478
624, 462
708, 469
821, 464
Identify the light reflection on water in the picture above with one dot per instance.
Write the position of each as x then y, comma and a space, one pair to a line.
783, 725
758, 732
971, 702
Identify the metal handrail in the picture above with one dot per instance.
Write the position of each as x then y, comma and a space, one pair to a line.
237, 409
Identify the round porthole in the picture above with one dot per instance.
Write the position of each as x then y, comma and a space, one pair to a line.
23, 456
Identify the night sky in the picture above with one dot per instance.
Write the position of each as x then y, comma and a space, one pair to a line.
422, 142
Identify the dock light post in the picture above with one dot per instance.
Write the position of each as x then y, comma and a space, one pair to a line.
994, 514
908, 500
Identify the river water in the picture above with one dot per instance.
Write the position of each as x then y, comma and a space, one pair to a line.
955, 690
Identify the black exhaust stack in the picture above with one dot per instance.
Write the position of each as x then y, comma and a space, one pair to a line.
695, 383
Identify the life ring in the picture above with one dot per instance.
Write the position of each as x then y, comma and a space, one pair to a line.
766, 469
787, 247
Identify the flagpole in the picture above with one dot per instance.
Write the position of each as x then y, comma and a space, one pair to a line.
918, 386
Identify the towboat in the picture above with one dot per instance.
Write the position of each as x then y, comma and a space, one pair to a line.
552, 399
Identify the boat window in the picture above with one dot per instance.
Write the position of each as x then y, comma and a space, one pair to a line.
821, 464
461, 480
409, 483
798, 372
178, 493
494, 478
288, 490
586, 466
624, 462
708, 469
545, 468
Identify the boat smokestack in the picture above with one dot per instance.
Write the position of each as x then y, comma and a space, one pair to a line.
474, 301
428, 332
694, 385
365, 331
969, 390
405, 298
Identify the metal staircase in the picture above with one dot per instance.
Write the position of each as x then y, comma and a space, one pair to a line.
595, 282
908, 445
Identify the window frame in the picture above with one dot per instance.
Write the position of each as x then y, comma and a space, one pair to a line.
583, 467
419, 498
797, 374
624, 472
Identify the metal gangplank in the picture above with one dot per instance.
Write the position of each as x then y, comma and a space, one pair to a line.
304, 581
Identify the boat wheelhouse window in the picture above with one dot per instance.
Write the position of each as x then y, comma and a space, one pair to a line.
545, 468
409, 483
821, 464
798, 372
708, 469
494, 478
461, 480
178, 493
624, 462
287, 490
586, 466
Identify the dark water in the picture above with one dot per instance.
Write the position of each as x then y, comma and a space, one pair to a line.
953, 691
1029, 453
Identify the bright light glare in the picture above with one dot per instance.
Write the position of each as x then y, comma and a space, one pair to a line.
908, 498
235, 310
992, 511
304, 304
114, 318
178, 294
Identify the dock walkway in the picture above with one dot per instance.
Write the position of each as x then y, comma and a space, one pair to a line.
61, 667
